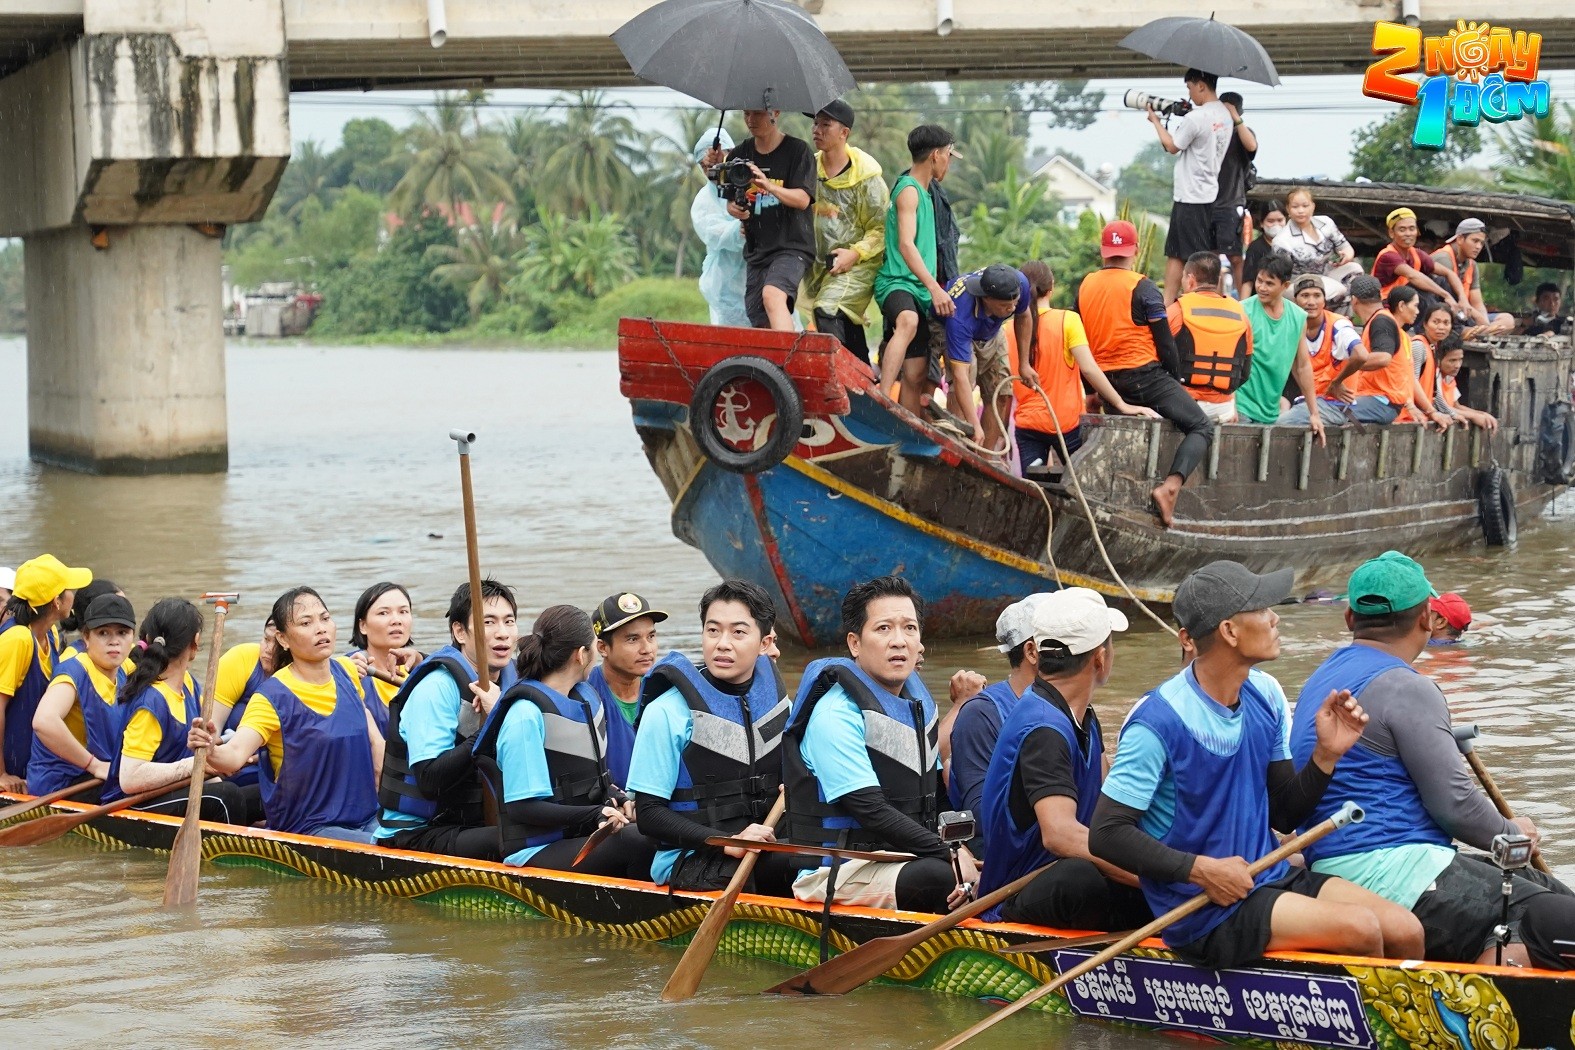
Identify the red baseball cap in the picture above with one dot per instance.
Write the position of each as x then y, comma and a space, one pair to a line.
1118, 239
1453, 609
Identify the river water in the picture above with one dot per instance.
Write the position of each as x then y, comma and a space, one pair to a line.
342, 474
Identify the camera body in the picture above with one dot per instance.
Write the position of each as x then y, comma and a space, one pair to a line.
956, 826
1511, 852
733, 181
1169, 107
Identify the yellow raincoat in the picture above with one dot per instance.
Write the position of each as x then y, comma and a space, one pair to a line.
850, 212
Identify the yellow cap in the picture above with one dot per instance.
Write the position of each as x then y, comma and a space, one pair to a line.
45, 578
1398, 214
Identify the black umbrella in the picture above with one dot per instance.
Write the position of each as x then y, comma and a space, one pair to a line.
1202, 43
736, 54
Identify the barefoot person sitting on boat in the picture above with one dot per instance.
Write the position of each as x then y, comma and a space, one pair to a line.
44, 593
78, 723
1129, 332
380, 639
862, 766
543, 753
1203, 778
1043, 782
1406, 774
321, 748
161, 702
625, 628
705, 759
429, 791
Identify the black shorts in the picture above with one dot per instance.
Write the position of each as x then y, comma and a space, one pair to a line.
898, 302
1463, 905
1225, 220
847, 331
1244, 936
784, 270
1191, 230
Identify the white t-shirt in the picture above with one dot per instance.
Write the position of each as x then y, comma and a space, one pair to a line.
1202, 137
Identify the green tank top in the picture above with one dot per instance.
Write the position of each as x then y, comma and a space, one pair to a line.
894, 274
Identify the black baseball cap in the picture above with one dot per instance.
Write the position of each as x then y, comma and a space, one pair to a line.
1222, 589
996, 281
837, 110
619, 609
108, 609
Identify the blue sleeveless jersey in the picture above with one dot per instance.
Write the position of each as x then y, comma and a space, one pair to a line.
1000, 696
1395, 814
1011, 852
19, 710
172, 745
1222, 797
246, 775
102, 718
325, 777
620, 734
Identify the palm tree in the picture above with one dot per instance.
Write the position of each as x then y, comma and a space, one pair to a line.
592, 162
587, 256
528, 140
310, 174
450, 159
987, 156
1543, 152
482, 260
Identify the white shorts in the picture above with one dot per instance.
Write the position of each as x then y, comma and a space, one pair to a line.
867, 883
1220, 411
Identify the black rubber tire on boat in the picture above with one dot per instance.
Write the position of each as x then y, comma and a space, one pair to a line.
785, 433
1496, 500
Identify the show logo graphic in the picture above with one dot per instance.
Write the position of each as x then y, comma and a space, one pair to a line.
1475, 72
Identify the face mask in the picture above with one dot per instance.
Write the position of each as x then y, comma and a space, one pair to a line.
1273, 231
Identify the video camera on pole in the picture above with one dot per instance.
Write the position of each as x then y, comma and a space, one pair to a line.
733, 180
1168, 107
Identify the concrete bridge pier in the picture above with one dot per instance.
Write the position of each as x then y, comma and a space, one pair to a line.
126, 153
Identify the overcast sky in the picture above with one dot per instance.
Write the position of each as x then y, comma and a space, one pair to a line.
1304, 126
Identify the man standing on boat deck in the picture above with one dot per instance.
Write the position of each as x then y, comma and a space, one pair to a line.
1203, 778
976, 346
850, 230
625, 629
706, 759
1043, 780
1406, 774
1278, 350
1230, 204
862, 766
429, 791
1200, 143
1129, 332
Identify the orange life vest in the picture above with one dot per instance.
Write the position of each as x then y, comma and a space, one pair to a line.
1471, 267
1117, 338
1058, 376
1214, 338
1415, 262
1325, 367
1448, 386
1393, 381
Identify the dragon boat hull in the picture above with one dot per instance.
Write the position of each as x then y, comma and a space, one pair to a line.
1287, 1000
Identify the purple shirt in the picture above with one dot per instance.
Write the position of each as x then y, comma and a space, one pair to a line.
970, 323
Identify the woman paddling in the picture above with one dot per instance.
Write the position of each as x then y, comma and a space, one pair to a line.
78, 724
383, 619
319, 776
44, 594
543, 753
161, 699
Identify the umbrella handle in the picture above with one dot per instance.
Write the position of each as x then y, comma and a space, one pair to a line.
716, 143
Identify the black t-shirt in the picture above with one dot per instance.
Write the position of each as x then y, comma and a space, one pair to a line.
1384, 337
774, 227
1044, 762
1233, 172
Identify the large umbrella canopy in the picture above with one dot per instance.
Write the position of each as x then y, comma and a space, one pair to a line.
736, 54
1202, 43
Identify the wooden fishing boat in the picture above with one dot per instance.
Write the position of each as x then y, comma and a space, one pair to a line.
1287, 1000
788, 466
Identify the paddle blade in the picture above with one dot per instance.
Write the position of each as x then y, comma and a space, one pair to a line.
180, 886
37, 832
691, 969
852, 969
594, 839
18, 808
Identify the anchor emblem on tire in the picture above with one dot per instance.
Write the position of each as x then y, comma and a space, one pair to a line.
729, 403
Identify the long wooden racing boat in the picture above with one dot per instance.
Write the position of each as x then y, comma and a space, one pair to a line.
787, 465
1287, 1000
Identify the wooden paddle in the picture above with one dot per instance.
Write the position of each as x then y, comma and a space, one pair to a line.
180, 884
18, 808
50, 828
1466, 740
863, 964
1050, 944
1349, 813
878, 856
478, 618
690, 970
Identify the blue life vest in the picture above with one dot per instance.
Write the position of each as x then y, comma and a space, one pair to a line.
19, 710
248, 774
729, 773
172, 745
1380, 784
102, 718
899, 737
325, 777
1000, 695
1222, 800
1011, 852
374, 697
620, 731
397, 790
575, 746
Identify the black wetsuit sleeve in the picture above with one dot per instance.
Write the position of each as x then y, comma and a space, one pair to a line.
543, 812
656, 819
1165, 346
437, 776
1115, 837
1293, 793
900, 832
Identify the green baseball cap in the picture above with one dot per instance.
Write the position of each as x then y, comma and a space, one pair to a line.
1389, 583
